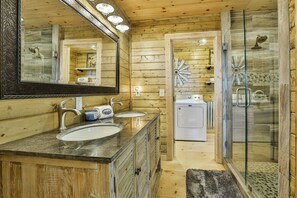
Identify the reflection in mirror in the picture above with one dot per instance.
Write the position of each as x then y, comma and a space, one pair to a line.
60, 46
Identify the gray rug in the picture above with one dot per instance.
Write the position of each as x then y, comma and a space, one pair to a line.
211, 184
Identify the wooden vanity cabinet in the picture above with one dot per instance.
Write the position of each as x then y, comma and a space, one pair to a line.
141, 172
154, 156
135, 173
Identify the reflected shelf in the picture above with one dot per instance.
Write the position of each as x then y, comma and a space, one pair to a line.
85, 69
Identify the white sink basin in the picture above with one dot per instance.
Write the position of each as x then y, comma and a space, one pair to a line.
129, 114
90, 132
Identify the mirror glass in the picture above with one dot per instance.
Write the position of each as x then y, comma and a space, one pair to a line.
60, 46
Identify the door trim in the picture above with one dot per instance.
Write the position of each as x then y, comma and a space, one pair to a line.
218, 89
284, 98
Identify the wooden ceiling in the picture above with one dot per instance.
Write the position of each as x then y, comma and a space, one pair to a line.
141, 10
41, 13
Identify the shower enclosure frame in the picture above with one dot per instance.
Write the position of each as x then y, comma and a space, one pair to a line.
284, 96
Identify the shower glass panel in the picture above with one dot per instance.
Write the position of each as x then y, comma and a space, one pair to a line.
262, 76
254, 74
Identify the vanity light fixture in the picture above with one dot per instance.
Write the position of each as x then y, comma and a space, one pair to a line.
115, 19
122, 28
112, 13
104, 8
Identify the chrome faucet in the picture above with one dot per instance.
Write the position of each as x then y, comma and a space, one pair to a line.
112, 103
62, 110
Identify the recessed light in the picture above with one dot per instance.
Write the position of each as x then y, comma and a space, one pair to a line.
94, 47
202, 41
105, 8
122, 28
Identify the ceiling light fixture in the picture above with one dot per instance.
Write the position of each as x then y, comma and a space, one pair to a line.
122, 28
202, 41
105, 8
115, 19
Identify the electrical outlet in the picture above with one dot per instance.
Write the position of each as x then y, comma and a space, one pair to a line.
161, 92
78, 103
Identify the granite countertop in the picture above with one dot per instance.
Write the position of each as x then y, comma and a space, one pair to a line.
102, 150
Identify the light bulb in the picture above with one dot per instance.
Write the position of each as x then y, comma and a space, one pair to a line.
104, 8
122, 28
115, 19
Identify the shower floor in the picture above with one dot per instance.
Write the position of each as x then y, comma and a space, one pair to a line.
262, 177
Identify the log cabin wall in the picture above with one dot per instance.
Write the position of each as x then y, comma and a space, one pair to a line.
197, 58
293, 99
25, 117
148, 63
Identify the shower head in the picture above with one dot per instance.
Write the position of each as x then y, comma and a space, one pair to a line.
259, 39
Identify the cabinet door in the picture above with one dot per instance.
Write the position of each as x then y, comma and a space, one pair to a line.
142, 169
152, 130
124, 170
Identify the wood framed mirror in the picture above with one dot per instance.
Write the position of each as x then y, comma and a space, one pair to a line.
32, 61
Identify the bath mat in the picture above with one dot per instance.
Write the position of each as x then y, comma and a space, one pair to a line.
211, 184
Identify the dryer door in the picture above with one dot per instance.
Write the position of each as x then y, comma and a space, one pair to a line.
190, 116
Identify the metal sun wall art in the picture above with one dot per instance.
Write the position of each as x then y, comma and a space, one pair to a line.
182, 72
237, 73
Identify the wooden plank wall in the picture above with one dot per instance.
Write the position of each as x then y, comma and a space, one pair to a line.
197, 57
25, 117
148, 63
293, 100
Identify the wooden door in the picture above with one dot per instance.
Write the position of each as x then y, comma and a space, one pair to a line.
124, 170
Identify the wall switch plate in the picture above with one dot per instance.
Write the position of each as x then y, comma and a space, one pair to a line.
161, 92
78, 103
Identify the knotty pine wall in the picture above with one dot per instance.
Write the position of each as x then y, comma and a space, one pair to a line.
148, 64
25, 117
197, 58
293, 99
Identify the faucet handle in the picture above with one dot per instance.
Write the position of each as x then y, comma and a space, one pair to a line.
111, 100
62, 104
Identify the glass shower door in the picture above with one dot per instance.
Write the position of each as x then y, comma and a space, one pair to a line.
262, 71
253, 74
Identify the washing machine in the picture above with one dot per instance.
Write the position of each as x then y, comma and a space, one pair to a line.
190, 118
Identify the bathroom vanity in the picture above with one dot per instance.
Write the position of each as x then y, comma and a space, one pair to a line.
123, 165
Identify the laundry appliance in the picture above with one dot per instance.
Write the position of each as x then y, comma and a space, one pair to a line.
190, 118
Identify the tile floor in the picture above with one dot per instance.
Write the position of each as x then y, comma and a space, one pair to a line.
198, 155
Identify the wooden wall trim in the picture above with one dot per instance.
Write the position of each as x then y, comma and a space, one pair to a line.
284, 97
216, 35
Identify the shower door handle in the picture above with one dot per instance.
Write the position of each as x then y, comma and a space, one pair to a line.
248, 98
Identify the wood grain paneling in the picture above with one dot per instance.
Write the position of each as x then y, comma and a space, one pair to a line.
147, 10
148, 59
197, 58
292, 14
42, 177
